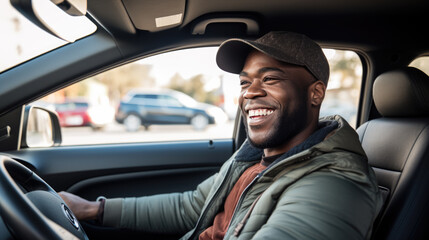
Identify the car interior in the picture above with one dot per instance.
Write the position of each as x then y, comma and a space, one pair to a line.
392, 115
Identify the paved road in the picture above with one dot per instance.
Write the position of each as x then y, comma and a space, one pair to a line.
115, 133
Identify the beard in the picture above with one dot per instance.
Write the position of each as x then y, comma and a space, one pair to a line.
287, 127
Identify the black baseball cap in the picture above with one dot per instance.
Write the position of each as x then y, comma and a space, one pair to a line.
289, 47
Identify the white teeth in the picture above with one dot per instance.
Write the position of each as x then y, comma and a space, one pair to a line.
260, 112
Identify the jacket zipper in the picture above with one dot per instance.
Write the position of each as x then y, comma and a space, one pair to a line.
227, 176
304, 158
240, 200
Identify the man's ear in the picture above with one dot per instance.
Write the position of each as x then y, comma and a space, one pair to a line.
317, 93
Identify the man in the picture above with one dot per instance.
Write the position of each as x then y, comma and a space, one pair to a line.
295, 177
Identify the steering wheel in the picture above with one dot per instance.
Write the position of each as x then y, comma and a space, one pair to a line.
31, 209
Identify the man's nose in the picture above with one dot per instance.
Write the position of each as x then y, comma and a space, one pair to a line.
255, 90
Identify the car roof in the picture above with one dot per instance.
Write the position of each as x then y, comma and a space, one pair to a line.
151, 91
359, 23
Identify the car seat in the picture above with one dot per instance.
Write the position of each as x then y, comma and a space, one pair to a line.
397, 146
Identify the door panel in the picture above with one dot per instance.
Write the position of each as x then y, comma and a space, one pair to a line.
127, 169
142, 183
123, 170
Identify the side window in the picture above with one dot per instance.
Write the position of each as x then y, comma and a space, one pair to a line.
179, 95
146, 100
343, 92
169, 101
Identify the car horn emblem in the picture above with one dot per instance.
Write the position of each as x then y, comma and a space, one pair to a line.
70, 216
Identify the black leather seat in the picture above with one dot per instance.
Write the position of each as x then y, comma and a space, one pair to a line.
397, 146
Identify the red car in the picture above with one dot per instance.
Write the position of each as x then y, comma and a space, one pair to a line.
73, 114
77, 113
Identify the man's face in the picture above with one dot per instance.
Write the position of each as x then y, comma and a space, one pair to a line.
273, 100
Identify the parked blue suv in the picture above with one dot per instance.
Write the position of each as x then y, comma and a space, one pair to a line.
148, 107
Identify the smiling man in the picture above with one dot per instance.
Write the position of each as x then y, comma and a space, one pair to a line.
274, 103
296, 176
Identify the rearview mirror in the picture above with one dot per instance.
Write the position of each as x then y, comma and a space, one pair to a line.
41, 128
62, 18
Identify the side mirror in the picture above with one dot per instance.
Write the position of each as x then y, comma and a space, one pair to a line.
41, 128
64, 19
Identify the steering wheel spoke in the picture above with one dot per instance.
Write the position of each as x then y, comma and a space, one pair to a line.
31, 208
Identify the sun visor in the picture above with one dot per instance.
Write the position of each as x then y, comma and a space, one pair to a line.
155, 15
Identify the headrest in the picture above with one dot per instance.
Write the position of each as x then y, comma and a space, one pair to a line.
402, 93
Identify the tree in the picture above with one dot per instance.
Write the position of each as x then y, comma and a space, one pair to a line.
118, 82
345, 63
177, 82
122, 79
193, 87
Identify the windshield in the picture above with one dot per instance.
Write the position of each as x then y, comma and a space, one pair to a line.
21, 40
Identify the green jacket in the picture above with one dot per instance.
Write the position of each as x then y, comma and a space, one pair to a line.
325, 192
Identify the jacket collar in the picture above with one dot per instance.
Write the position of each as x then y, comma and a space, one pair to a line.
334, 125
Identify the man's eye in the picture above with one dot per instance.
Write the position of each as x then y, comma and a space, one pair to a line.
244, 82
268, 79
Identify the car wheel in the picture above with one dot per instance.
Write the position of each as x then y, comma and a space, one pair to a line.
132, 123
199, 122
97, 128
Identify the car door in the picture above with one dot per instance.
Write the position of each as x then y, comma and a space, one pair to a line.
172, 111
126, 170
115, 163
148, 107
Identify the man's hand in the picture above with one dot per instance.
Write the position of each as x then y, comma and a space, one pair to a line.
82, 208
